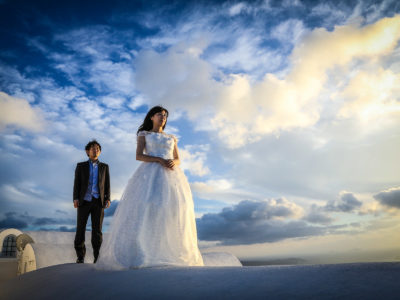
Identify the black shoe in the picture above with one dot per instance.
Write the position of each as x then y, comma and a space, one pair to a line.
80, 260
96, 253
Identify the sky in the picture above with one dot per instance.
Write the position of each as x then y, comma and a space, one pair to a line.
287, 115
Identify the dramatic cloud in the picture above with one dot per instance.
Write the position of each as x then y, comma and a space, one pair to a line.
275, 104
242, 111
25, 220
390, 197
18, 112
11, 220
52, 221
66, 229
252, 222
318, 215
347, 203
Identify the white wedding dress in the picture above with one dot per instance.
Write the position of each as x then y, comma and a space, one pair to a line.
154, 223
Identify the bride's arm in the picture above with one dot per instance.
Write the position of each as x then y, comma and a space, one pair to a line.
176, 155
141, 143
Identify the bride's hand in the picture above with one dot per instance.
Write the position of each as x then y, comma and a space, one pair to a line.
167, 163
170, 163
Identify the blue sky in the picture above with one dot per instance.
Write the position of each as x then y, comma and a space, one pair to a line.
287, 113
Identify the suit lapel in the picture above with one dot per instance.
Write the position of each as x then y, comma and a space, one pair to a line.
86, 172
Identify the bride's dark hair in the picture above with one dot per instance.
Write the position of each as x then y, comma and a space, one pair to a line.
147, 123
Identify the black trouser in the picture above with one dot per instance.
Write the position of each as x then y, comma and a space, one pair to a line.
96, 211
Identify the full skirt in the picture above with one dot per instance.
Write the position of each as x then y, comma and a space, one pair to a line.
154, 223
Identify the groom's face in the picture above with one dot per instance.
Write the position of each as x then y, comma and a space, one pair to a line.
93, 152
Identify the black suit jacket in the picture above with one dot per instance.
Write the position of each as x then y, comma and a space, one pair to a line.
81, 182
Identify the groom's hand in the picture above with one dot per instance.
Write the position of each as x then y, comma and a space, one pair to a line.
108, 204
76, 203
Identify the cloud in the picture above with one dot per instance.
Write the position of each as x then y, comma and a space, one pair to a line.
243, 111
66, 229
244, 53
318, 215
347, 203
21, 191
191, 89
221, 189
229, 44
110, 76
390, 197
211, 189
373, 11
252, 222
18, 112
74, 119
43, 221
113, 101
193, 158
371, 96
25, 220
136, 102
330, 14
60, 228
371, 208
292, 3
55, 99
107, 64
11, 221
213, 185
272, 105
289, 32
238, 8
89, 110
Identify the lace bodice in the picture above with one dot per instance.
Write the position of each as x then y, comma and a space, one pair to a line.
159, 144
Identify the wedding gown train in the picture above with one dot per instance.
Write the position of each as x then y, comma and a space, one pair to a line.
154, 223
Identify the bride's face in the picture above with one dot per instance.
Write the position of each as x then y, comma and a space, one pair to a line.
159, 119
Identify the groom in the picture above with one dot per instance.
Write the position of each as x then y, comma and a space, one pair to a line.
91, 196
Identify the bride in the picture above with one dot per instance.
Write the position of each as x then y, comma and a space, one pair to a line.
154, 223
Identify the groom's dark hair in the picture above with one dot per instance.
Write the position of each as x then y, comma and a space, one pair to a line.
92, 143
